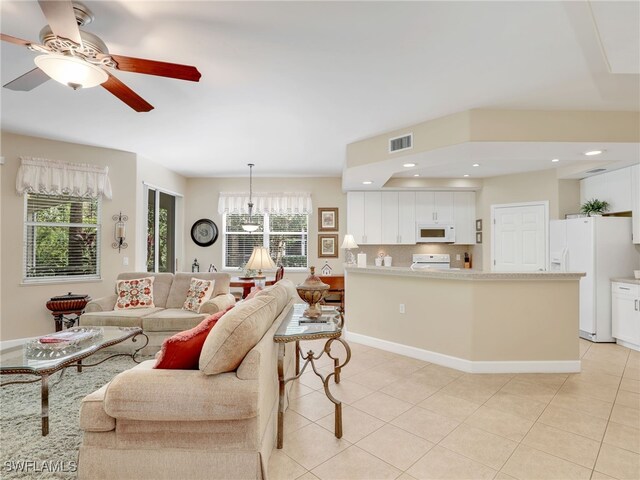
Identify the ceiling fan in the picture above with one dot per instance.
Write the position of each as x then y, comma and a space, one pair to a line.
80, 59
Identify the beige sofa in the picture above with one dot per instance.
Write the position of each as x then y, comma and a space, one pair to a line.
168, 317
169, 424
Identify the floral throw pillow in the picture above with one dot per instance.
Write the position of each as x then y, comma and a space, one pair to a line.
199, 292
135, 293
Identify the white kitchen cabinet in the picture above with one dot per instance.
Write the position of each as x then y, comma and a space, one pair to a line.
464, 213
364, 217
635, 202
614, 187
434, 207
389, 218
625, 314
407, 218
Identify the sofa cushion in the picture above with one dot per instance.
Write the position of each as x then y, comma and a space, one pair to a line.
199, 292
280, 291
145, 393
237, 332
161, 285
134, 293
181, 282
171, 320
117, 318
182, 350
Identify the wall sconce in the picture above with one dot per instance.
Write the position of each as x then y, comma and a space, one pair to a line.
120, 231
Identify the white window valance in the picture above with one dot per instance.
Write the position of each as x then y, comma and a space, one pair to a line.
278, 203
53, 177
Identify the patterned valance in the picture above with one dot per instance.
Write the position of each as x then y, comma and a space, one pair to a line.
52, 177
265, 203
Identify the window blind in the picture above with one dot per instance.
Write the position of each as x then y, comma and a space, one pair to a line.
61, 237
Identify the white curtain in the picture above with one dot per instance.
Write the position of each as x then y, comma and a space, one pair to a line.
52, 177
279, 203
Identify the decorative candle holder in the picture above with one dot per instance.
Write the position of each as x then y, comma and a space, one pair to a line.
312, 291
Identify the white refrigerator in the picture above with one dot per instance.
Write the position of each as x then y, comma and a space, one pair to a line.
602, 248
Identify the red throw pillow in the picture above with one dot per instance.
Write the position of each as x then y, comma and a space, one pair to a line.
182, 351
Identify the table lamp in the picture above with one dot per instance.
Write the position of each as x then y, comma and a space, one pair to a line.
348, 243
260, 259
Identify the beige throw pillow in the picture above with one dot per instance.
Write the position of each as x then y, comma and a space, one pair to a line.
134, 293
280, 291
237, 332
199, 292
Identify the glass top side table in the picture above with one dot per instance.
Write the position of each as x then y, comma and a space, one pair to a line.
294, 328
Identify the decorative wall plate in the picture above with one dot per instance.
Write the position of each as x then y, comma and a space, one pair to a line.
204, 232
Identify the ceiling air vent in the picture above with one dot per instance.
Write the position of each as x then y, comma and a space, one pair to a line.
404, 142
596, 170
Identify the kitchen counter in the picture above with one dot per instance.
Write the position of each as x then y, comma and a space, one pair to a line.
633, 281
471, 320
467, 274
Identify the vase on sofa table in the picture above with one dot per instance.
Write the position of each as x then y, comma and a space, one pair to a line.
312, 291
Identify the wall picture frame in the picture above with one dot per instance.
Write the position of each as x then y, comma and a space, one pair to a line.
327, 246
479, 225
478, 237
327, 219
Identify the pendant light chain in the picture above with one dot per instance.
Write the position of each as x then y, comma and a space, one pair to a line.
250, 226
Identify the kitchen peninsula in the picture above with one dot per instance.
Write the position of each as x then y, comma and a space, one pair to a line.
475, 321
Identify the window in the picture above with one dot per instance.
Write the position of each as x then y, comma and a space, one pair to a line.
62, 237
161, 231
284, 235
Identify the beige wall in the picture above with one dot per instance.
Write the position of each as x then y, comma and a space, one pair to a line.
22, 307
202, 202
543, 185
477, 320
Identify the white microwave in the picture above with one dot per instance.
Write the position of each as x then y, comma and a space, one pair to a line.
436, 233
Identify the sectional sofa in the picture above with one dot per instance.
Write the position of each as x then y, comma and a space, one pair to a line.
167, 317
166, 424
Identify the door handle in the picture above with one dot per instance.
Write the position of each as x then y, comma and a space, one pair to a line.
635, 302
624, 288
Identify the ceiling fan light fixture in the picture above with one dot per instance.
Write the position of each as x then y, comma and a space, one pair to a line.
71, 71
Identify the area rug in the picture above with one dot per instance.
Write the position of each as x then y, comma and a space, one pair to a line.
24, 452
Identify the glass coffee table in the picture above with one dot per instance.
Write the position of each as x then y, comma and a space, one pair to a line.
294, 328
34, 357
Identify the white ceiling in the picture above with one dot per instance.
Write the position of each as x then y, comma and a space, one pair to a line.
287, 85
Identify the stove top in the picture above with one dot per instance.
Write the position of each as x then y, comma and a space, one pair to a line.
437, 261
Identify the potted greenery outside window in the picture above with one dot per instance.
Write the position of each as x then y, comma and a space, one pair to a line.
594, 207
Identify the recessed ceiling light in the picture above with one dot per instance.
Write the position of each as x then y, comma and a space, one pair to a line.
466, 175
476, 165
416, 174
367, 182
555, 160
408, 165
593, 152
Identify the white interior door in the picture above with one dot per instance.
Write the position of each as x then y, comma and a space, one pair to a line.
519, 233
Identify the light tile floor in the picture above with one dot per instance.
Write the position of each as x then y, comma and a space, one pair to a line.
408, 419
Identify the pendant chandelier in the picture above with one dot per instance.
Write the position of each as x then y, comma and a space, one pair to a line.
250, 225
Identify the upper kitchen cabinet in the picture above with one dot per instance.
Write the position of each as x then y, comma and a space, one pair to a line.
364, 216
398, 218
434, 207
613, 187
464, 212
621, 188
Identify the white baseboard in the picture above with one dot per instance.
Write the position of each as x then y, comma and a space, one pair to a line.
630, 345
4, 345
469, 366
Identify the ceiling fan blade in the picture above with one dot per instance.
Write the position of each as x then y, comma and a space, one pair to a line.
127, 95
28, 81
161, 69
16, 40
61, 19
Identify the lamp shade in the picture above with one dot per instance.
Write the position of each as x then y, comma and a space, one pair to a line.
349, 242
259, 260
71, 71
